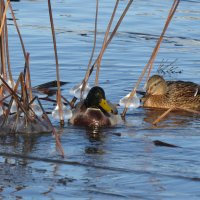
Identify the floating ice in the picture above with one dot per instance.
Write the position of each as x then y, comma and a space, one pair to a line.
1, 110
67, 113
37, 110
13, 108
133, 102
145, 87
6, 92
76, 90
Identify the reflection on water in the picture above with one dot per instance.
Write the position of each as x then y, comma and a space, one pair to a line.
174, 119
121, 162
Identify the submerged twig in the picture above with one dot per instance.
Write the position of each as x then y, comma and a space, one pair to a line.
162, 116
190, 110
53, 129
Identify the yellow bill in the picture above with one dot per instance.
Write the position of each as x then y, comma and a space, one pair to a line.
104, 104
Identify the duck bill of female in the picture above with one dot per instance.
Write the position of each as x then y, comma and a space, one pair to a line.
104, 104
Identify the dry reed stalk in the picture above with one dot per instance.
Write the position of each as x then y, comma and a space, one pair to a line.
153, 56
60, 108
28, 78
104, 43
111, 35
4, 98
3, 19
2, 41
171, 14
24, 93
163, 115
171, 109
18, 31
3, 57
58, 144
7, 112
190, 110
15, 96
8, 55
11, 101
84, 82
68, 102
1, 94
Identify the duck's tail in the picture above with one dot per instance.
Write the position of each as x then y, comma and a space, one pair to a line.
49, 88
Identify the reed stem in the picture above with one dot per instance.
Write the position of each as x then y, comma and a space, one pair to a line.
104, 43
15, 96
111, 35
171, 14
153, 56
3, 19
8, 56
28, 77
84, 82
2, 40
163, 115
57, 65
18, 31
171, 109
58, 144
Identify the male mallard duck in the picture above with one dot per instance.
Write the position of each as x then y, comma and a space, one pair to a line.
168, 94
94, 111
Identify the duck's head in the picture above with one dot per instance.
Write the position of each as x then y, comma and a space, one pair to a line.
156, 85
96, 99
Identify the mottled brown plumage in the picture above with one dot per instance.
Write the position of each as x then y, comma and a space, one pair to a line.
168, 94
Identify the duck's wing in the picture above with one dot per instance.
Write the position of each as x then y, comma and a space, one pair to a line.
183, 88
80, 107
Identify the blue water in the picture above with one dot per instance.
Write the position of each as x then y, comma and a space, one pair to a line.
121, 162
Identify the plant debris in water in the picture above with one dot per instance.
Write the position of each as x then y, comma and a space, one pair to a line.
167, 68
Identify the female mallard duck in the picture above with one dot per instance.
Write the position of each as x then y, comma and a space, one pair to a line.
169, 94
94, 111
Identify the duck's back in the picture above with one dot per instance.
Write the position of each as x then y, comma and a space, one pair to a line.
183, 94
92, 117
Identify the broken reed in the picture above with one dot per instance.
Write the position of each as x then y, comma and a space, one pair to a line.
25, 100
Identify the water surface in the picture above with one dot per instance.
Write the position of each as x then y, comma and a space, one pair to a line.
121, 162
